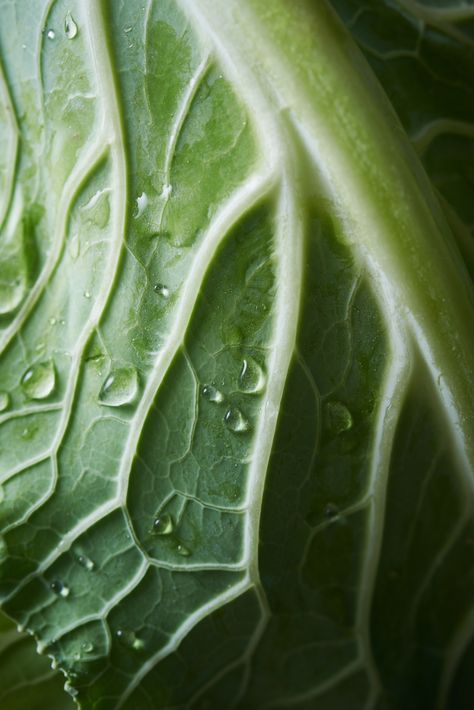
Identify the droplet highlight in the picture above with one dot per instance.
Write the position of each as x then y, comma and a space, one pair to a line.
338, 416
163, 525
70, 27
50, 34
142, 204
120, 387
212, 394
4, 401
85, 562
87, 647
252, 379
183, 550
235, 420
129, 639
39, 381
161, 290
60, 589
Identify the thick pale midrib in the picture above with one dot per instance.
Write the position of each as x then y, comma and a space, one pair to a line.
12, 148
183, 631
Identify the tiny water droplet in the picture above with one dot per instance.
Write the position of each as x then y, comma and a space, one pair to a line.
51, 34
161, 290
87, 647
62, 590
4, 401
183, 550
163, 525
52, 321
142, 203
212, 394
39, 381
128, 638
127, 29
235, 420
87, 294
339, 417
75, 247
70, 26
85, 562
120, 387
331, 511
252, 378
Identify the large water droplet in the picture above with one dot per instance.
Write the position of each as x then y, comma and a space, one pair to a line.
161, 290
183, 550
142, 204
129, 638
4, 401
39, 381
70, 26
235, 420
60, 589
212, 394
97, 209
50, 34
85, 562
120, 387
339, 417
252, 378
11, 294
163, 525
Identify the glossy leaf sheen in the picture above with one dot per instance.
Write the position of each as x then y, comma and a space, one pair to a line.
236, 380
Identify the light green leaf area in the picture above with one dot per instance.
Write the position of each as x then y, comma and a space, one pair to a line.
236, 377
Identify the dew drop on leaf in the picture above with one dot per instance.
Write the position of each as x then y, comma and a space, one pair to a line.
51, 34
87, 647
70, 26
252, 378
142, 203
129, 639
161, 290
212, 394
11, 295
4, 401
163, 525
339, 417
39, 381
183, 550
85, 562
60, 589
120, 387
235, 420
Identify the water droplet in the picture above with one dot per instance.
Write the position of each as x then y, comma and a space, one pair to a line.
62, 590
120, 387
70, 26
161, 290
252, 379
339, 417
51, 34
85, 562
235, 420
212, 394
39, 381
11, 294
52, 321
142, 203
127, 29
163, 525
75, 247
87, 294
183, 550
128, 638
331, 511
70, 689
97, 209
4, 401
87, 647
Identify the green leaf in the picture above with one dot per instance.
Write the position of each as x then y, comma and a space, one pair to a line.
236, 375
